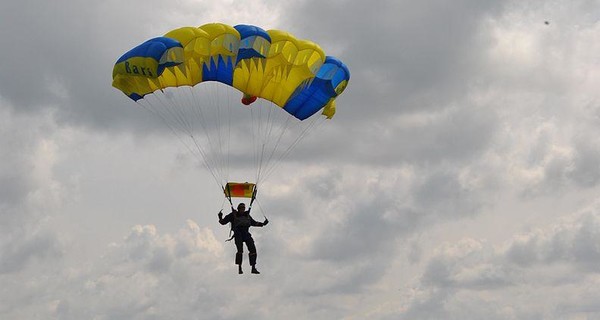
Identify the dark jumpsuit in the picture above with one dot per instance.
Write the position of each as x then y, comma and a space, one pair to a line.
240, 225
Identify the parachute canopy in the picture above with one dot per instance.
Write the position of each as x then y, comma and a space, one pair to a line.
294, 74
186, 78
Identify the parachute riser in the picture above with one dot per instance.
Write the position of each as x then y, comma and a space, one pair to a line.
228, 195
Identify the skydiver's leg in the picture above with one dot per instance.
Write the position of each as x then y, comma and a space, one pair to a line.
239, 244
252, 255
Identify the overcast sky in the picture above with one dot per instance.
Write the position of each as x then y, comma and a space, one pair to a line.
459, 179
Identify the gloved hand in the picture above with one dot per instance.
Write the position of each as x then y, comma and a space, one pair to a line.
266, 222
220, 214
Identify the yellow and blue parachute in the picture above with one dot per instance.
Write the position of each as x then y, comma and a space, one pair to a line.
273, 65
166, 75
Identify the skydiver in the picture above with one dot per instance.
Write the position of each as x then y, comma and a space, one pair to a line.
241, 221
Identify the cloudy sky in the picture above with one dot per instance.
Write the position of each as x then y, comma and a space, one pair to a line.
460, 178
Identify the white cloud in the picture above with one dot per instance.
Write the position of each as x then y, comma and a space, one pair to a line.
28, 192
558, 262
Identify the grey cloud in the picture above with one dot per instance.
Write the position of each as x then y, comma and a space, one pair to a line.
416, 56
438, 273
445, 195
14, 187
362, 234
17, 147
63, 58
559, 261
76, 76
368, 215
456, 134
571, 243
361, 231
24, 239
586, 248
140, 277
586, 164
415, 252
79, 80
575, 244
362, 227
26, 247
472, 268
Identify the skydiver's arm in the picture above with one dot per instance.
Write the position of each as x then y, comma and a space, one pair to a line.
225, 220
255, 223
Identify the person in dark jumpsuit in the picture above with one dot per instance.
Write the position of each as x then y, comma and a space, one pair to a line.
241, 221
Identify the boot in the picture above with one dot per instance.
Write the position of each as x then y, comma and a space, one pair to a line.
254, 270
240, 271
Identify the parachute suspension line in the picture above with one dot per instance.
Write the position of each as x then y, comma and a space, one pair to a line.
215, 140
316, 122
255, 130
175, 109
191, 130
212, 132
169, 110
222, 105
269, 129
282, 132
253, 196
262, 210
187, 111
211, 170
262, 143
313, 126
183, 100
223, 203
227, 195
225, 133
219, 149
180, 106
229, 115
152, 109
175, 112
202, 109
266, 136
269, 134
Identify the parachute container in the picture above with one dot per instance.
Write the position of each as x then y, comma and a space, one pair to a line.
239, 189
